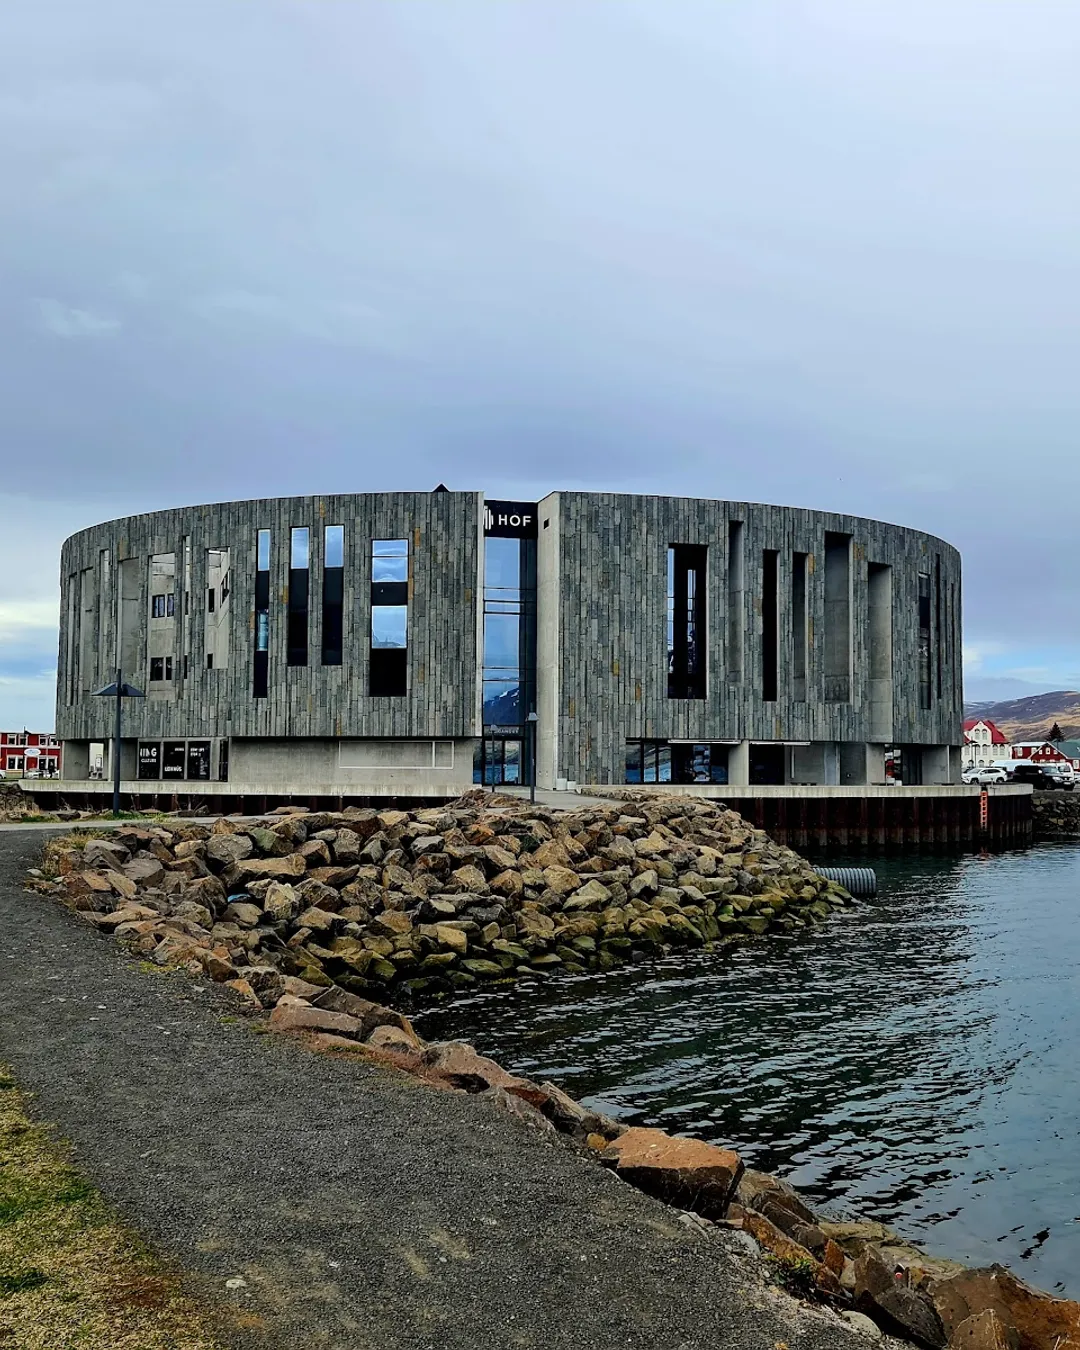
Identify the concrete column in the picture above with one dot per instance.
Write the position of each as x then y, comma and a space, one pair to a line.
129, 759
936, 766
808, 763
853, 765
831, 763
739, 764
548, 656
75, 760
875, 764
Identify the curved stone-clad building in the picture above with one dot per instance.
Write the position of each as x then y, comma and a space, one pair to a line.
395, 644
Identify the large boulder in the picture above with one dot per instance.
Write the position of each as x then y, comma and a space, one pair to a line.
1041, 1321
684, 1172
459, 1065
107, 852
295, 1016
144, 870
278, 869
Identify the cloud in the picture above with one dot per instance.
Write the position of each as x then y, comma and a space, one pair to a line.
22, 618
64, 321
28, 701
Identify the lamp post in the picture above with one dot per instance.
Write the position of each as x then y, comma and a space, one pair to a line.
532, 719
119, 691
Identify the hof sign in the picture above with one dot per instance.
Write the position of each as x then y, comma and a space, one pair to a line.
510, 520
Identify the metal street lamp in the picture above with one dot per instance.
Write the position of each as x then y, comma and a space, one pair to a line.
119, 691
532, 720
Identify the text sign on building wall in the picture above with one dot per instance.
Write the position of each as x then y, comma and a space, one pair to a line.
510, 520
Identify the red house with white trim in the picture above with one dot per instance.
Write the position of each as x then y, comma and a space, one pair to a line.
35, 752
1039, 752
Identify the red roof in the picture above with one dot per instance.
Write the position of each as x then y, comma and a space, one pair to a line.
996, 737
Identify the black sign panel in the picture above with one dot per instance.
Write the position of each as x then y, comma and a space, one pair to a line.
149, 759
198, 760
172, 761
510, 520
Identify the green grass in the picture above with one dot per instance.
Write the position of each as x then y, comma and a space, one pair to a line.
72, 1275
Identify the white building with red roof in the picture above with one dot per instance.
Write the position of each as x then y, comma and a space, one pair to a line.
984, 743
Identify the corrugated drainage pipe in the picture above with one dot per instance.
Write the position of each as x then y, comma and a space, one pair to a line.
861, 881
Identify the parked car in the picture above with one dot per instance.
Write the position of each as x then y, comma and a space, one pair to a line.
1036, 775
985, 773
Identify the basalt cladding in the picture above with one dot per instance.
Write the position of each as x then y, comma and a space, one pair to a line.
314, 700
899, 685
658, 620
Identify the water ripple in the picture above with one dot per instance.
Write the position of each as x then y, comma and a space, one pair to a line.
910, 1061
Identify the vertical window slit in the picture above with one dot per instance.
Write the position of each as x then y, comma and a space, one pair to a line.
261, 672
297, 622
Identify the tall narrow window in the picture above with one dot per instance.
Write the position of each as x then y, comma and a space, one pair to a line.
161, 630
686, 620
798, 626
879, 585
298, 596
216, 616
735, 599
925, 657
106, 626
333, 594
838, 645
770, 612
388, 669
186, 617
939, 646
261, 672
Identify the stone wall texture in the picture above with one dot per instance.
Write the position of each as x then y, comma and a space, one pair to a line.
613, 596
309, 701
602, 602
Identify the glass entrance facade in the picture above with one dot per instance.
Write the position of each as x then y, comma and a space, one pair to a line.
509, 667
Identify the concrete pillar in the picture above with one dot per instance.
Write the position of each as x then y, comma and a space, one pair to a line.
875, 764
831, 757
548, 685
739, 764
129, 760
936, 766
75, 760
808, 763
853, 763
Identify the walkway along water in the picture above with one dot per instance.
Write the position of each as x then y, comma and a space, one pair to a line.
364, 1211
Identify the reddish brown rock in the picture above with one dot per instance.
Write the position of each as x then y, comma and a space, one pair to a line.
335, 877
244, 989
460, 1065
790, 1252
296, 1017
984, 1331
293, 865
684, 1172
79, 884
1041, 1321
395, 1040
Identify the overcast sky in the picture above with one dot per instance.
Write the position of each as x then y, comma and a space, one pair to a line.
822, 254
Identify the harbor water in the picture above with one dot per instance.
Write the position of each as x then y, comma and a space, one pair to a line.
914, 1060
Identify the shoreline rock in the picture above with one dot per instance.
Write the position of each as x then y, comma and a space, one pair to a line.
338, 907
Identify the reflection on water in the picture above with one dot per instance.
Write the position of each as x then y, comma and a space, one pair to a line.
912, 1061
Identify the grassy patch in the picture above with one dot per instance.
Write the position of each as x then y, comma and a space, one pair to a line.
72, 1277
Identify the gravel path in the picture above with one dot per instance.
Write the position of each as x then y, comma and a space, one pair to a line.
363, 1210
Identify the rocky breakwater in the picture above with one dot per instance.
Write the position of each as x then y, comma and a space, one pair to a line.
416, 905
299, 914
1056, 815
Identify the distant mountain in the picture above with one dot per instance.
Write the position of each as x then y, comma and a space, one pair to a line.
1030, 718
